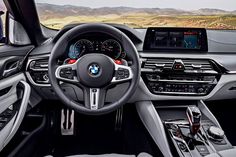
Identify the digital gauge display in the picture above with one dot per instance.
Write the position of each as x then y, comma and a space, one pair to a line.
80, 47
111, 48
73, 52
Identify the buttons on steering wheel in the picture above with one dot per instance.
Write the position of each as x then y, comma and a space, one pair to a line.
122, 73
67, 73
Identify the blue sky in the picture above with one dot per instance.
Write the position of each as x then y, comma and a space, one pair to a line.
178, 4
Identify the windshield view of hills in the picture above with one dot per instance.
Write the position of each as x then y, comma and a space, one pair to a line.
57, 16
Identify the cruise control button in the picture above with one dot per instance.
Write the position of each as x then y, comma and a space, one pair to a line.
122, 73
62, 73
69, 72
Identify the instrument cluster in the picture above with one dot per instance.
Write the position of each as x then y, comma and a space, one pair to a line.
109, 47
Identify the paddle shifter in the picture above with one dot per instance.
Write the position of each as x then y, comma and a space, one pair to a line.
194, 117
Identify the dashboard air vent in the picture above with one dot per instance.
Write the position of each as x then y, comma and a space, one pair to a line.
190, 65
203, 65
39, 64
159, 64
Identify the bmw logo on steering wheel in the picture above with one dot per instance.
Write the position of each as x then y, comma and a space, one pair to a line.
94, 69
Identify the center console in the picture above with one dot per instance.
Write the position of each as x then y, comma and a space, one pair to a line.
191, 132
184, 129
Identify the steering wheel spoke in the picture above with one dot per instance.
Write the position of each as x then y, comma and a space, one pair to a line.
67, 73
94, 98
122, 74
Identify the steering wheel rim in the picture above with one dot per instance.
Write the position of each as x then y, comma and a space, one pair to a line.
60, 48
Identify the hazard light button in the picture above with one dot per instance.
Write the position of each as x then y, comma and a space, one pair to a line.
178, 65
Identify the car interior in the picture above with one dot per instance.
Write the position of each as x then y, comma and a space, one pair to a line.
93, 79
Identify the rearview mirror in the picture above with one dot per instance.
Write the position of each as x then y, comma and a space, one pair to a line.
2, 38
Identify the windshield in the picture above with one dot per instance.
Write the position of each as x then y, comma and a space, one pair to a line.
211, 14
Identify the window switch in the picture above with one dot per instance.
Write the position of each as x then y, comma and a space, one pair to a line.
1, 125
3, 119
8, 113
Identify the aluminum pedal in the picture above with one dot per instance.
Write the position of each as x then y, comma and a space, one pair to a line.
67, 122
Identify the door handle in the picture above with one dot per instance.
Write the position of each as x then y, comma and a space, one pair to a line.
12, 70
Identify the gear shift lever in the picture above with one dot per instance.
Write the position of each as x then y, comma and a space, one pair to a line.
194, 117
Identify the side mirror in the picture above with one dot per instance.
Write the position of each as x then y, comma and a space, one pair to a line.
2, 38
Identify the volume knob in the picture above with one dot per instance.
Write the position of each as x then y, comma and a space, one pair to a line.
216, 133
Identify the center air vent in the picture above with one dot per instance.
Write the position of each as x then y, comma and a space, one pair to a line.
203, 65
190, 65
159, 64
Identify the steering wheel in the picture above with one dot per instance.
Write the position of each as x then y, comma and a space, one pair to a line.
94, 73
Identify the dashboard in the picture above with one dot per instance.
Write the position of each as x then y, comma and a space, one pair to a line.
177, 63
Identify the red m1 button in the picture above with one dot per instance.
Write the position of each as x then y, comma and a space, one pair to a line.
118, 62
71, 61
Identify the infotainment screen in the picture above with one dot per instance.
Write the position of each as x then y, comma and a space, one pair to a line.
191, 40
194, 39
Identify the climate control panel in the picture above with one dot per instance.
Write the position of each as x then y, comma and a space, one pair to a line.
180, 88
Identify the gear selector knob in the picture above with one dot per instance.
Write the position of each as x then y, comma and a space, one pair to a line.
194, 117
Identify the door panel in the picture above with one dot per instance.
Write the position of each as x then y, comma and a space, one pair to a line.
14, 103
14, 91
20, 113
11, 96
